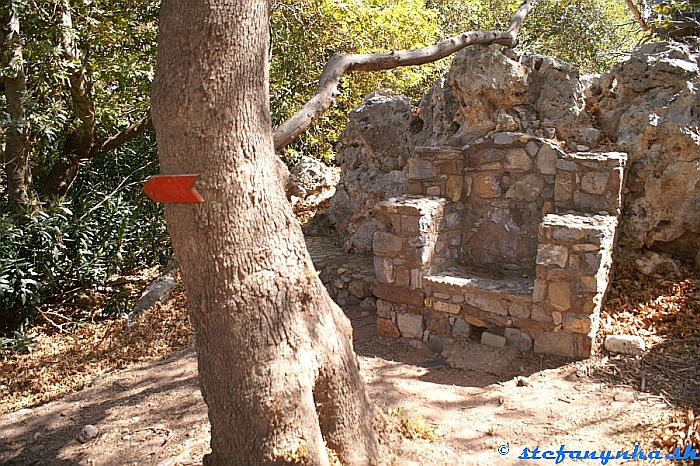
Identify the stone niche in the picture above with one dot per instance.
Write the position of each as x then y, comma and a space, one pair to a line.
507, 233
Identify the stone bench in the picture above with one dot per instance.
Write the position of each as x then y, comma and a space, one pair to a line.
549, 218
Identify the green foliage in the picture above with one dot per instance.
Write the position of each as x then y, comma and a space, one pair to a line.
307, 33
675, 19
589, 34
117, 44
106, 226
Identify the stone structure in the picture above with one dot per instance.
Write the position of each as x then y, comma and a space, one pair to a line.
498, 210
508, 233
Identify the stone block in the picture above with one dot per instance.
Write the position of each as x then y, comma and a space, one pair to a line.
518, 339
447, 307
570, 234
577, 323
539, 293
410, 325
433, 191
532, 148
386, 329
460, 328
551, 254
475, 321
560, 343
567, 165
454, 187
416, 278
487, 186
414, 187
527, 189
400, 295
625, 344
547, 160
519, 310
369, 304
491, 339
503, 138
384, 309
437, 322
559, 295
517, 161
585, 247
595, 182
588, 284
556, 317
402, 277
386, 244
563, 187
384, 269
539, 314
451, 220
420, 169
360, 288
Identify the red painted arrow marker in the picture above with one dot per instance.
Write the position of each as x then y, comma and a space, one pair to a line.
172, 188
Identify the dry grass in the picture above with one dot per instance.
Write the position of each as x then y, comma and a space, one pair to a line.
59, 363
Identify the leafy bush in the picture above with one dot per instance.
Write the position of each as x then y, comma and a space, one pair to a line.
106, 226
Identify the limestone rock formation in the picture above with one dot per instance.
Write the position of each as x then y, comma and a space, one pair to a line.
372, 152
649, 106
488, 89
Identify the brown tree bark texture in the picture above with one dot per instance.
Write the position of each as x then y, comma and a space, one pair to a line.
275, 356
15, 157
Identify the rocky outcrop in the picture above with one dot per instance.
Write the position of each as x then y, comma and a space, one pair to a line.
649, 105
372, 152
488, 89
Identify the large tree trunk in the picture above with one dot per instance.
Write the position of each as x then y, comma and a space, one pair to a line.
276, 363
15, 157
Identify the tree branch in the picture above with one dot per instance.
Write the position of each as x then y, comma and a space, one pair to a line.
637, 15
127, 134
327, 89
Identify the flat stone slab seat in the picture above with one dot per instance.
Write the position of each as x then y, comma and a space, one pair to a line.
508, 202
462, 280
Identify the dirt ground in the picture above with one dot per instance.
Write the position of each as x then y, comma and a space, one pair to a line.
153, 413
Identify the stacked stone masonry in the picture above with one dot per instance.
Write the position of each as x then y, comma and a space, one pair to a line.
508, 233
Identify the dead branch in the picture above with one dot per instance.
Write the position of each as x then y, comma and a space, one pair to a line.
327, 89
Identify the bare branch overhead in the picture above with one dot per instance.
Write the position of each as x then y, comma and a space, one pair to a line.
327, 89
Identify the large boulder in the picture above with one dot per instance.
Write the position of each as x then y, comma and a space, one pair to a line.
650, 107
489, 89
372, 152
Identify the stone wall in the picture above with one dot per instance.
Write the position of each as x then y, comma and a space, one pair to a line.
372, 152
494, 206
484, 239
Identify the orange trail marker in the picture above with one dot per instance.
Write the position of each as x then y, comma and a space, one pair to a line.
172, 188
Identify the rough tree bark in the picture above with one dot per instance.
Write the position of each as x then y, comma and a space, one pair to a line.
276, 363
15, 157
